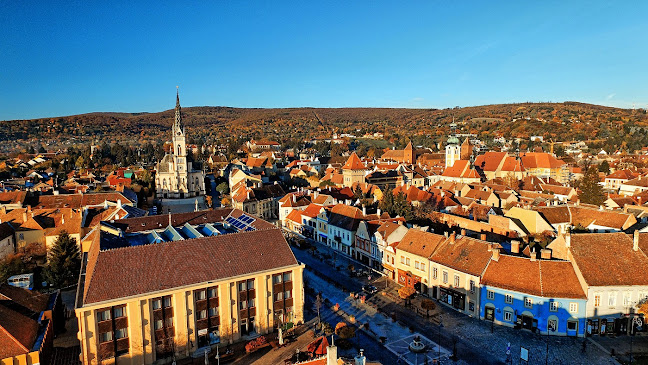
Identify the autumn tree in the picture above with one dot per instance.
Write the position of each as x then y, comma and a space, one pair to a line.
406, 293
591, 191
428, 305
64, 262
604, 167
12, 265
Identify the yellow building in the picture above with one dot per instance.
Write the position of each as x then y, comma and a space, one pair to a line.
152, 291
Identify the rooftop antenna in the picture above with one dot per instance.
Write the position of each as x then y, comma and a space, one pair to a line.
169, 218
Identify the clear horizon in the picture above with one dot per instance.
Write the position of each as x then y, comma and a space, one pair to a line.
68, 58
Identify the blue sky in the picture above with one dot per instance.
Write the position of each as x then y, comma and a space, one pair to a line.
72, 57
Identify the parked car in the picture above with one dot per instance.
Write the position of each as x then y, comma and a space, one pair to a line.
369, 289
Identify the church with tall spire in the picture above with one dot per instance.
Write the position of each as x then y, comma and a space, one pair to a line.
175, 176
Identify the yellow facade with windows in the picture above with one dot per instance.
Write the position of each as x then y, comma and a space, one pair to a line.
147, 340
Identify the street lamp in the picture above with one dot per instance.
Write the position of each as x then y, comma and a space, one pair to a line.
439, 343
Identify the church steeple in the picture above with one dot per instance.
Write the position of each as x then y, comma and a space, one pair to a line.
177, 124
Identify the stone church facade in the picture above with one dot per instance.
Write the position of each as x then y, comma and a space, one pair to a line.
175, 177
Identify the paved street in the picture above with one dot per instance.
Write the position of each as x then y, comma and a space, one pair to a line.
475, 344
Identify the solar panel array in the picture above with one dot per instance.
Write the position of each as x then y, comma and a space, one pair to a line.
241, 223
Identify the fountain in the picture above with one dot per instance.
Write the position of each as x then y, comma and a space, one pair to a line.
416, 346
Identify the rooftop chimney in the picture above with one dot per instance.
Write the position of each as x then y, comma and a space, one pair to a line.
331, 354
635, 240
495, 254
515, 246
545, 254
25, 216
453, 237
378, 212
482, 236
533, 255
568, 239
463, 231
364, 210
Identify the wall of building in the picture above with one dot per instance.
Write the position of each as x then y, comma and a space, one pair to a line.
140, 316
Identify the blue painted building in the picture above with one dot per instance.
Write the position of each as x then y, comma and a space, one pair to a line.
544, 296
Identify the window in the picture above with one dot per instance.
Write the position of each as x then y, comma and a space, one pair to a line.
103, 315
157, 324
242, 286
434, 273
201, 314
105, 337
121, 333
276, 279
612, 299
528, 302
508, 298
445, 277
278, 296
552, 325
167, 301
422, 266
168, 322
118, 312
508, 316
417, 265
573, 307
212, 293
490, 294
288, 294
407, 261
472, 286
287, 276
213, 312
553, 306
157, 304
242, 304
456, 281
572, 325
597, 300
627, 299
471, 306
251, 303
200, 295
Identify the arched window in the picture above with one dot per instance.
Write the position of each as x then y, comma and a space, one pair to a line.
179, 150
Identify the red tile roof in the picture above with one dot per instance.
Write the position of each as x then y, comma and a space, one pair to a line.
17, 333
136, 270
550, 279
466, 254
540, 160
608, 259
354, 163
420, 243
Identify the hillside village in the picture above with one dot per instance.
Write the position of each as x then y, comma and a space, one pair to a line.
507, 231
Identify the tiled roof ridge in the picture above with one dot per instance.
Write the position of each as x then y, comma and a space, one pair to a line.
187, 240
540, 271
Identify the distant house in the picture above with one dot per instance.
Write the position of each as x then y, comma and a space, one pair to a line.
545, 165
607, 264
461, 172
373, 238
614, 180
456, 280
538, 295
634, 186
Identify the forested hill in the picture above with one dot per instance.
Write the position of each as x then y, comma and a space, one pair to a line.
557, 121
